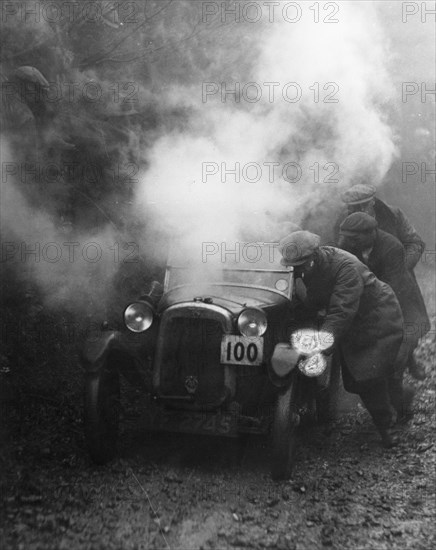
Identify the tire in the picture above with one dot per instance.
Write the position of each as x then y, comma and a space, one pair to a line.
101, 414
285, 432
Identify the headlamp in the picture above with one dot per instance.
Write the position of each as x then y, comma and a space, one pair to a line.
252, 322
314, 365
308, 341
138, 316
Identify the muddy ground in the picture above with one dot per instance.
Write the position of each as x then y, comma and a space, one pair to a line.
168, 491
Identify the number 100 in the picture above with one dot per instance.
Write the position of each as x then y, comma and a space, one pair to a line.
239, 352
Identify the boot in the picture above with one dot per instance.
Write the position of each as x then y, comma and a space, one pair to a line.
376, 398
384, 422
389, 437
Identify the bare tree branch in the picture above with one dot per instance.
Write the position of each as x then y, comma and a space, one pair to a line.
125, 59
95, 60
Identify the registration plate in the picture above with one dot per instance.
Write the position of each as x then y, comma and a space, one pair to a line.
209, 423
239, 350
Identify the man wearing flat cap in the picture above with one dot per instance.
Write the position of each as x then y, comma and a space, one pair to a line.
362, 198
384, 256
392, 220
362, 314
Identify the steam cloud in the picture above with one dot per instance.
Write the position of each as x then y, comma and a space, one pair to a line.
353, 134
173, 133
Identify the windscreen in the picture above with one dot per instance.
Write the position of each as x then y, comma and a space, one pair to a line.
247, 264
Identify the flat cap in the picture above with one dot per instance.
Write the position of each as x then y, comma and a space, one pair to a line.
358, 193
297, 247
359, 222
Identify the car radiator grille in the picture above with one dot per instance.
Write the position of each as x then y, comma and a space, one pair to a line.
191, 357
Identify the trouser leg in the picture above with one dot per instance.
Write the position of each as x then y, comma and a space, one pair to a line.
374, 394
325, 399
402, 359
409, 345
375, 397
334, 386
401, 398
396, 394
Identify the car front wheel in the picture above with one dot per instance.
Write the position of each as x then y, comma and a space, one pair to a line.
284, 432
101, 414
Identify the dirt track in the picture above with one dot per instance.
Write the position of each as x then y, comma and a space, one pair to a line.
186, 492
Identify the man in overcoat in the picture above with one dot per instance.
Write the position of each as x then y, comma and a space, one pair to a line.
362, 314
392, 220
384, 256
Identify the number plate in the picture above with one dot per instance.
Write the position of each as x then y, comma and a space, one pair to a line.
194, 422
239, 350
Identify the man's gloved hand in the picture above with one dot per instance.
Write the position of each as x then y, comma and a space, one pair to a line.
321, 314
300, 290
412, 255
329, 351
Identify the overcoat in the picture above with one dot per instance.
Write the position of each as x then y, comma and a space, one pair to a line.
362, 313
393, 220
386, 261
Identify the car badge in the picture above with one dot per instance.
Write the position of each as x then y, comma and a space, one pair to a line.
196, 313
191, 384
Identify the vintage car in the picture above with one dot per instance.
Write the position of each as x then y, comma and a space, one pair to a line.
217, 349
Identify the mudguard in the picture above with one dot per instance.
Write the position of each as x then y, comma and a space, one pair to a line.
283, 362
95, 351
130, 354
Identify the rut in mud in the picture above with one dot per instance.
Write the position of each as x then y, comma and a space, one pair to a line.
189, 492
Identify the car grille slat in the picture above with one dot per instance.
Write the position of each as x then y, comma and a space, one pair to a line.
192, 350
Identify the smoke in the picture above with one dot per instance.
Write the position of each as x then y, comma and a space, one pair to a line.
234, 128
226, 175
72, 271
